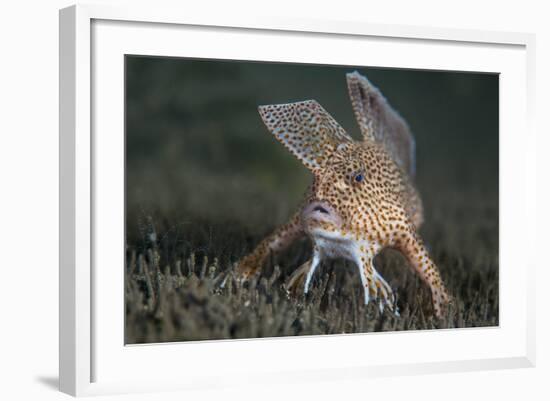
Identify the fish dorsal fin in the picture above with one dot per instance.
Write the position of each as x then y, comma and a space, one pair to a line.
306, 129
380, 123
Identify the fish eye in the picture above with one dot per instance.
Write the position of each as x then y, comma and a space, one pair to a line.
359, 177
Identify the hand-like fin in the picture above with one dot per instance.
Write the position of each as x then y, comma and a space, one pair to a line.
306, 129
379, 122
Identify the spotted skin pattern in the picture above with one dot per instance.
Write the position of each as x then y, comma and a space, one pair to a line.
361, 200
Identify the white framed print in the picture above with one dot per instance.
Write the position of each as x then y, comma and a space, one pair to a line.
239, 194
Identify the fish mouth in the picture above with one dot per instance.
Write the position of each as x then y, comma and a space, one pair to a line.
318, 212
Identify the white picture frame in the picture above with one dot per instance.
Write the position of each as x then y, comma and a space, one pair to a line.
93, 360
